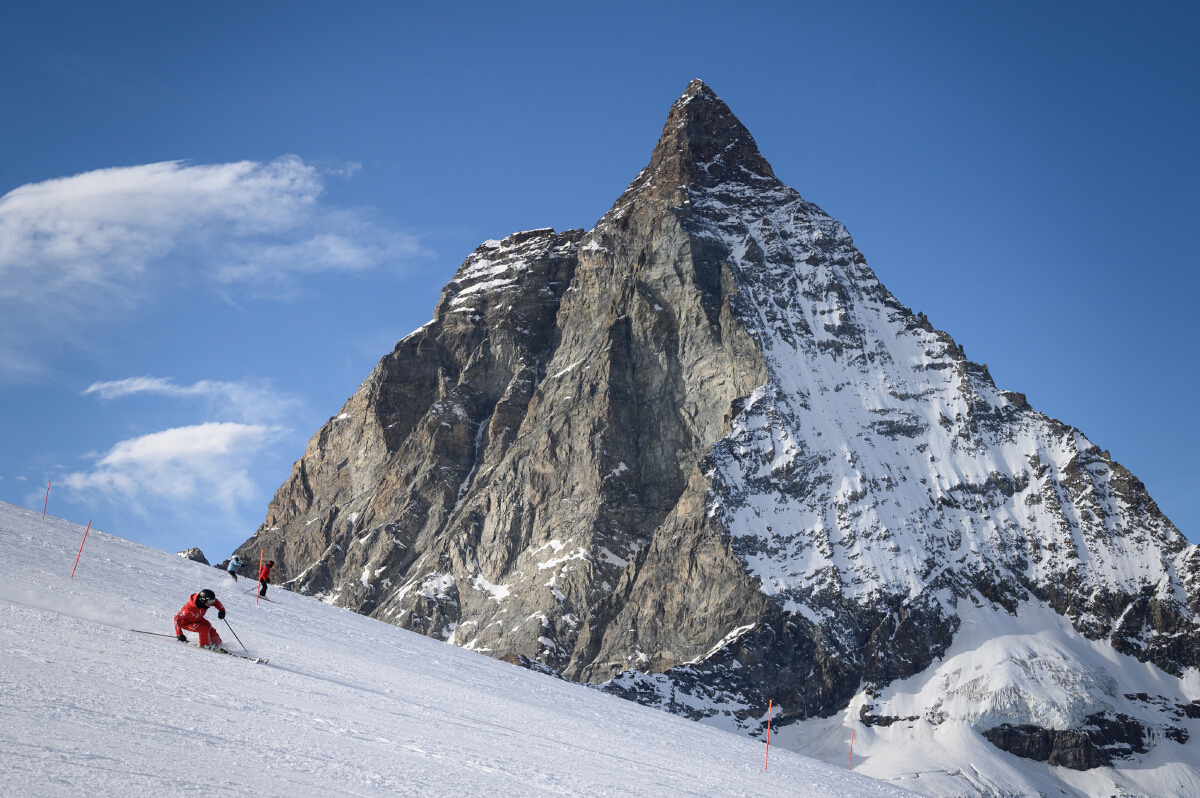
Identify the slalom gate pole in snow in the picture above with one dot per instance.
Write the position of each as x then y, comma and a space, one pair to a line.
851, 760
47, 504
235, 637
767, 758
85, 533
260, 556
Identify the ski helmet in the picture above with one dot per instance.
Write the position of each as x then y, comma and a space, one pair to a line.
271, 563
206, 596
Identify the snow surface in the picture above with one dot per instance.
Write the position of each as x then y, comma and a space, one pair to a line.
864, 434
878, 462
347, 706
1027, 668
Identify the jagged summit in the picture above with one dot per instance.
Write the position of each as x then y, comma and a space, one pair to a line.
702, 145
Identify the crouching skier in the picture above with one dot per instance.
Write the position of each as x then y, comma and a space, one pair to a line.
264, 577
191, 617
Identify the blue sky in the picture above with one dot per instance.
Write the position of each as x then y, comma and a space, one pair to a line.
215, 220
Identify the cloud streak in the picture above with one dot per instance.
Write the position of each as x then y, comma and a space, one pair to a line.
179, 465
81, 249
199, 474
250, 401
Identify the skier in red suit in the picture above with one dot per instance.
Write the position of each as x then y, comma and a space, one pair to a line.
264, 577
191, 617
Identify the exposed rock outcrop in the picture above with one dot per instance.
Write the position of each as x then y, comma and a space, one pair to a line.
1103, 739
194, 554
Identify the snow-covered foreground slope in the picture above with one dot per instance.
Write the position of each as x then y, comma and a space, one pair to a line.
347, 706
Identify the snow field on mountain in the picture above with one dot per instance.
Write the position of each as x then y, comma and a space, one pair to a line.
1031, 668
860, 455
347, 706
855, 472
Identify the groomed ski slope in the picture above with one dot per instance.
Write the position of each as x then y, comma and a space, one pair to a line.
348, 706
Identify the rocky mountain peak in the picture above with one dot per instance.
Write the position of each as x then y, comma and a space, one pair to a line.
700, 454
703, 145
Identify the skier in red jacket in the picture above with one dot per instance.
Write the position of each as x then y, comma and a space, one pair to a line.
264, 577
191, 617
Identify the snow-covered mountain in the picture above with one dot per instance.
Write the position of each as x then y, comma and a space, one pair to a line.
700, 454
347, 706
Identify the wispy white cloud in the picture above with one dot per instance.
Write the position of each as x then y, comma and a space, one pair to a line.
202, 475
131, 385
248, 401
80, 249
208, 462
345, 170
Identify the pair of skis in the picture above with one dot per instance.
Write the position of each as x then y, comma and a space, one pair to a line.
258, 660
264, 598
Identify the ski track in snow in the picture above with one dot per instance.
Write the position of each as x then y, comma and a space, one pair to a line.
347, 706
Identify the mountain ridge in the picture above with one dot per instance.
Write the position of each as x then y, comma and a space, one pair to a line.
584, 458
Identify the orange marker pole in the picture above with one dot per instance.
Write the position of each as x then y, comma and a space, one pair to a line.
260, 556
770, 706
851, 760
47, 504
89, 529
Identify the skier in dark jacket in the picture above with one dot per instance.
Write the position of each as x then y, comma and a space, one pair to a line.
191, 617
264, 577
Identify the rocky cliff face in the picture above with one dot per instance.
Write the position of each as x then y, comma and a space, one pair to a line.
699, 453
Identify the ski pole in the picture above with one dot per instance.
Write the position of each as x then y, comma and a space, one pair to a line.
156, 634
235, 637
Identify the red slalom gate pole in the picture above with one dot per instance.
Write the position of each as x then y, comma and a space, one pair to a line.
47, 504
260, 556
851, 760
767, 758
89, 529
